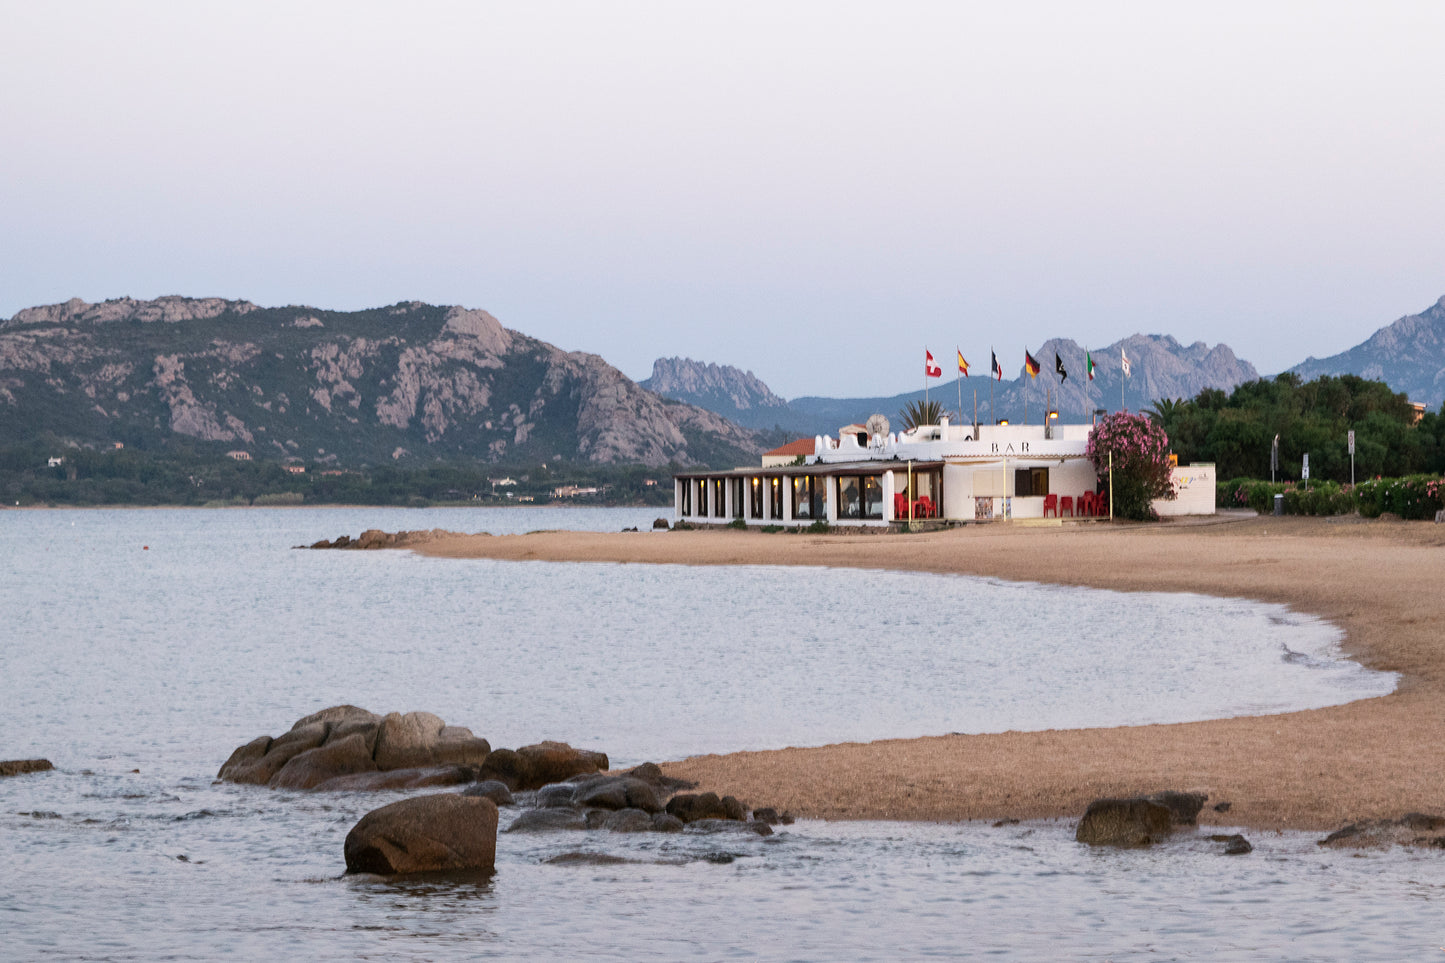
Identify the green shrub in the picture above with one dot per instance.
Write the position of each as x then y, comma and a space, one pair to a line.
737, 523
819, 527
771, 529
1415, 496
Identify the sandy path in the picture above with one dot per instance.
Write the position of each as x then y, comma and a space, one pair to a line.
1381, 581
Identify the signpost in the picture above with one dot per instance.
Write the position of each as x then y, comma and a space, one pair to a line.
1352, 458
1305, 471
1273, 459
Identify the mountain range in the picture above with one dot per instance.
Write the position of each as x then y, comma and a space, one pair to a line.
1160, 367
424, 383
411, 381
1408, 355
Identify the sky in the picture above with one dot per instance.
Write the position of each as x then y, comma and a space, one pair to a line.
810, 191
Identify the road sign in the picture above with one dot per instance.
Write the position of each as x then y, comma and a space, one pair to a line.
1352, 442
1305, 471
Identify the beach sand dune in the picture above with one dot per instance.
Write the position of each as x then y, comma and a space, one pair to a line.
1381, 581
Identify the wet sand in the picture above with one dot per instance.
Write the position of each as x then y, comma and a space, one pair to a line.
1382, 582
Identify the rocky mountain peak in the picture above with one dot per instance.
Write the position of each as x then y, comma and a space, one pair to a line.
720, 388
170, 309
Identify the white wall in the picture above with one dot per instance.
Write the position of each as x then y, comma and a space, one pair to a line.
1193, 491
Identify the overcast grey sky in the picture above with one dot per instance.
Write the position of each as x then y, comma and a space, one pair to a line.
813, 191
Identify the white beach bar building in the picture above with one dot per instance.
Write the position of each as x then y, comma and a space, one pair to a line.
937, 472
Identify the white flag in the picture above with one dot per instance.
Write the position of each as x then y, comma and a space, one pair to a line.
1126, 362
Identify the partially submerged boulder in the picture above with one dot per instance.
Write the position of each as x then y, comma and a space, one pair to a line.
692, 807
532, 767
19, 767
422, 739
1124, 822
1411, 829
442, 832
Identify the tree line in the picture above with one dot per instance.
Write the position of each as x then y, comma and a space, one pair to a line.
1236, 431
192, 476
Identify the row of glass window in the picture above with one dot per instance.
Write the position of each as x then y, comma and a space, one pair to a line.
859, 496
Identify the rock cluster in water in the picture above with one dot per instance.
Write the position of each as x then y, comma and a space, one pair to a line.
376, 538
345, 748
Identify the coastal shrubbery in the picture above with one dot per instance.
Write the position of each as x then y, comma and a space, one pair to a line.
1133, 452
1414, 497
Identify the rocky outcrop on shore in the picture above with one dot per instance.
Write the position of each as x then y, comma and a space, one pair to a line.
376, 538
1411, 829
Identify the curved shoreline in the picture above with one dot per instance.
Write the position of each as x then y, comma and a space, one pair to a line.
1379, 581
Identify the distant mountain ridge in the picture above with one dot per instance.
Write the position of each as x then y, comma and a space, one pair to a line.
408, 381
1160, 368
1408, 355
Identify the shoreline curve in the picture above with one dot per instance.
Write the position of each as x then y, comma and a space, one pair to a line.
1379, 581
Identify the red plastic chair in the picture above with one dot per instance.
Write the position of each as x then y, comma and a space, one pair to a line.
1051, 504
926, 508
900, 505
1066, 504
1086, 504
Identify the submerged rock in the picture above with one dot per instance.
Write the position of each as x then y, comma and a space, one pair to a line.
446, 831
1235, 845
1183, 806
547, 820
493, 790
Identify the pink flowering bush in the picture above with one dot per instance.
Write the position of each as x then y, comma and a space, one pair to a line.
1414, 496
1140, 452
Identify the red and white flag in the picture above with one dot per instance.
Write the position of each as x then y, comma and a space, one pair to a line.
930, 369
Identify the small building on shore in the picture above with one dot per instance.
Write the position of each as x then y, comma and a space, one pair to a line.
939, 474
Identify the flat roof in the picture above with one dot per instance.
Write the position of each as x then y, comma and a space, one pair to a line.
869, 467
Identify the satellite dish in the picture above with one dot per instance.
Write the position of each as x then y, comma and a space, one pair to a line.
877, 427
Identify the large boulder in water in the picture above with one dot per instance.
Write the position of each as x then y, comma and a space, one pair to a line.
426, 834
1124, 822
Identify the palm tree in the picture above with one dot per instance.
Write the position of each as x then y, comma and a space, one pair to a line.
1164, 410
918, 413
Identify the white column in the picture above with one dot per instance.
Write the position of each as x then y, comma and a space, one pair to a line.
787, 500
677, 484
728, 487
887, 485
830, 485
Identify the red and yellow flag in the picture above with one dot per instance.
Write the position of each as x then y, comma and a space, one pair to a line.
1031, 365
962, 365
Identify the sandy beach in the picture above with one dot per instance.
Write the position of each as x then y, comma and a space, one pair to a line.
1380, 581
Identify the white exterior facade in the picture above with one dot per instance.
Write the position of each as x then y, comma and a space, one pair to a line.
937, 472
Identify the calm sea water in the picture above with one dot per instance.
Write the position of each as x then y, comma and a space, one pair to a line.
157, 641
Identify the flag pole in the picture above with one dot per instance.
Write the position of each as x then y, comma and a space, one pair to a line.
959, 379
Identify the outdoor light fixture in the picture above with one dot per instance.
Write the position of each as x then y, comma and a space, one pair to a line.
1053, 416
1003, 421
